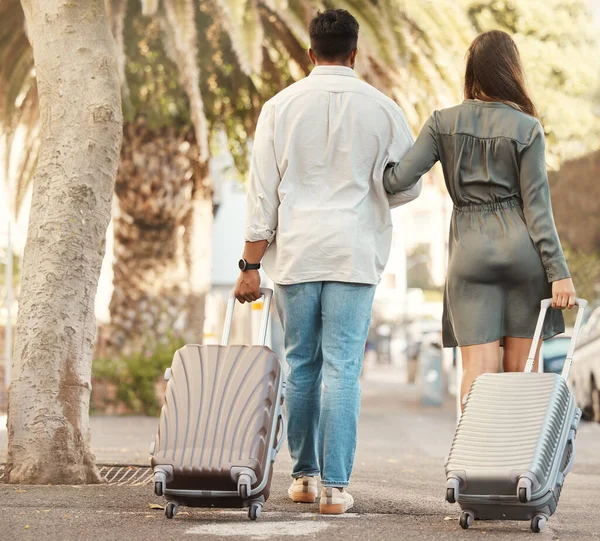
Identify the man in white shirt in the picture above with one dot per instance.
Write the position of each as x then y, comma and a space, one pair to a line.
320, 216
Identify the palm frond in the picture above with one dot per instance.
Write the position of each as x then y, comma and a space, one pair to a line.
27, 150
277, 29
241, 19
16, 59
19, 114
116, 11
178, 22
149, 7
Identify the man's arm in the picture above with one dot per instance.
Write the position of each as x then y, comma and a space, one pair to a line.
262, 204
402, 142
248, 283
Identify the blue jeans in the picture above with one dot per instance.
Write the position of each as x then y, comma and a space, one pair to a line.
325, 329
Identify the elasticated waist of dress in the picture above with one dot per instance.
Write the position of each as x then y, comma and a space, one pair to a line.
494, 205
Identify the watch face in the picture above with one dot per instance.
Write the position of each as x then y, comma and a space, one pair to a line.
242, 264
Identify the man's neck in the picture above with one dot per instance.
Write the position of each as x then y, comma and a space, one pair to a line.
332, 65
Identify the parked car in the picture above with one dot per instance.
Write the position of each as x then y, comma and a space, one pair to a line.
554, 353
584, 378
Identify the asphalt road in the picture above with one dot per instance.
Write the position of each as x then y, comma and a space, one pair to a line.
398, 485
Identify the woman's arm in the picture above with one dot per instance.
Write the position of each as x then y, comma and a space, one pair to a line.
537, 206
420, 158
401, 198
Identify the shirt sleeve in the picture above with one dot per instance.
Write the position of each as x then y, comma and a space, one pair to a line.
402, 141
406, 173
537, 206
263, 182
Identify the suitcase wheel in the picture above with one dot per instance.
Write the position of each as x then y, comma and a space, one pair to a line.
466, 519
452, 490
524, 489
158, 488
171, 509
523, 495
244, 486
537, 523
254, 511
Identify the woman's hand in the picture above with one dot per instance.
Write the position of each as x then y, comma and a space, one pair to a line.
563, 294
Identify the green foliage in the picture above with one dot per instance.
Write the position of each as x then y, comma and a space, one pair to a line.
233, 99
585, 271
152, 78
136, 376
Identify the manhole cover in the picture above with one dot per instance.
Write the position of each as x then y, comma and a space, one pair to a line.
133, 476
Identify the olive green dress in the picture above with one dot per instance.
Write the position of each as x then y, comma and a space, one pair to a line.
504, 248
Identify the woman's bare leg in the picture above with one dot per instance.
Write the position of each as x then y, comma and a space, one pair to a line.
477, 360
516, 351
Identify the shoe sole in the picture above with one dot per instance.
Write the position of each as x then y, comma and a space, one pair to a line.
304, 497
332, 508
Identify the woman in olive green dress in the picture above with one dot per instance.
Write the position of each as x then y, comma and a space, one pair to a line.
505, 254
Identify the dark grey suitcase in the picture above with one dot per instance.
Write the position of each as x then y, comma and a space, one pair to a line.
218, 431
515, 442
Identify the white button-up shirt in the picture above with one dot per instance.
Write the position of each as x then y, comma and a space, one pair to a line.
315, 189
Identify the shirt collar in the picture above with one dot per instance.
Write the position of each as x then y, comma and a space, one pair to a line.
333, 70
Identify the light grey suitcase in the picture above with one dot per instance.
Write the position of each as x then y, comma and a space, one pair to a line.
515, 442
222, 424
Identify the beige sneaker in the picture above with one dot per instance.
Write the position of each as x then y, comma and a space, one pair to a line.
335, 501
304, 490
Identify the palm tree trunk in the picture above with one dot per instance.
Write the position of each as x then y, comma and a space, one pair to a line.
81, 122
154, 194
199, 254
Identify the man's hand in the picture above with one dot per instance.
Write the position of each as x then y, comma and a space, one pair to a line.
563, 294
247, 286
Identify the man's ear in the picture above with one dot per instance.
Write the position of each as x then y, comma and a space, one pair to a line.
353, 57
312, 57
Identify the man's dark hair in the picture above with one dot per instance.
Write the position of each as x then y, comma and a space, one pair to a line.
333, 35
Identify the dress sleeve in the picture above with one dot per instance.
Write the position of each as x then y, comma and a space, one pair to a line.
537, 207
404, 174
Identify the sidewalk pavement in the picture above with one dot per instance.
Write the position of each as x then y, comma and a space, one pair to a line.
398, 484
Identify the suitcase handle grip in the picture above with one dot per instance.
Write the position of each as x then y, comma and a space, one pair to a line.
262, 335
283, 425
545, 305
571, 444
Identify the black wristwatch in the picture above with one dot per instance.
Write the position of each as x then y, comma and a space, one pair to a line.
245, 266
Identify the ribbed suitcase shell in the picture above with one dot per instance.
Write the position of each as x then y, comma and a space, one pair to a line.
513, 424
221, 413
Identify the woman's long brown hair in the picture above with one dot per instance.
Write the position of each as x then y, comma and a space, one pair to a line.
495, 73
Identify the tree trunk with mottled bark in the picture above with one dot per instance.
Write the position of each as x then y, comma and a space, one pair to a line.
154, 200
81, 123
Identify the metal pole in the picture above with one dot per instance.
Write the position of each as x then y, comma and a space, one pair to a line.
8, 328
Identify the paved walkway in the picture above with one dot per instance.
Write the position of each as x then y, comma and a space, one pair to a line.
398, 484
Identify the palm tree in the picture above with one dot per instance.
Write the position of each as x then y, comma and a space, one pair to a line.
190, 68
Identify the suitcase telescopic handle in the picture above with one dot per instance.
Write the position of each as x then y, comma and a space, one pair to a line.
546, 304
262, 335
